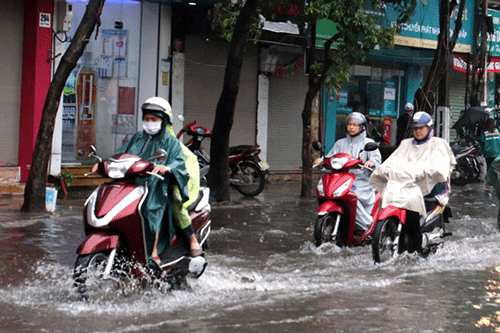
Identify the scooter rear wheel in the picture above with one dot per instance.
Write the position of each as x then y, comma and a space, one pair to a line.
248, 179
384, 236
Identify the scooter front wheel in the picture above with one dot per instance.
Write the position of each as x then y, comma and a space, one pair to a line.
385, 240
325, 228
90, 273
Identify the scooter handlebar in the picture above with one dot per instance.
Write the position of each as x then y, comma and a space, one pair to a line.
155, 175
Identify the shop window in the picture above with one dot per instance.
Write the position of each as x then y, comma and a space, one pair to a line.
100, 96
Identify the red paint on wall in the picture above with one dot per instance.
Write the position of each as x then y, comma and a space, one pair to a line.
36, 77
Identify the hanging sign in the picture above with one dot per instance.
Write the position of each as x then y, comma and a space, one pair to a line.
460, 64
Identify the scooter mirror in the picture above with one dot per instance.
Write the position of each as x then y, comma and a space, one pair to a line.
317, 145
93, 153
371, 146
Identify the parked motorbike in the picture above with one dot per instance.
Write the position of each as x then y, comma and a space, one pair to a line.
114, 248
389, 240
248, 171
469, 164
337, 203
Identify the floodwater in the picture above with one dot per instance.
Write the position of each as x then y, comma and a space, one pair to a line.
265, 275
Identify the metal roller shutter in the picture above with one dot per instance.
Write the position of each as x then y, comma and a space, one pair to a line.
286, 101
457, 94
204, 75
11, 53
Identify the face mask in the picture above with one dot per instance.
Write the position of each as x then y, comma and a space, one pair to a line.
151, 127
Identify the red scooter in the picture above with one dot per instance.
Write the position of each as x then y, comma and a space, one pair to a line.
248, 171
389, 240
337, 203
114, 248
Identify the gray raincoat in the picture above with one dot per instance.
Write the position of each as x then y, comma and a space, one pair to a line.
363, 190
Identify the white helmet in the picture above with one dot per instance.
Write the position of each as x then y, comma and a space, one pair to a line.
158, 106
409, 107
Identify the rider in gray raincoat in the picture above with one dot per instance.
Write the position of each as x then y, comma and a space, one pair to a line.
352, 144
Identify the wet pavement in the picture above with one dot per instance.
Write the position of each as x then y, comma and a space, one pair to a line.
264, 275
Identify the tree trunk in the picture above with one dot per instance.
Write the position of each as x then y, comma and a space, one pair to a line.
425, 96
34, 193
307, 153
224, 114
315, 83
478, 59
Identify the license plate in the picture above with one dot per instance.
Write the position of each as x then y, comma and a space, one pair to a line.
264, 165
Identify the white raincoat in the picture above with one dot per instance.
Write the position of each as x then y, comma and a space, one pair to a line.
363, 190
411, 172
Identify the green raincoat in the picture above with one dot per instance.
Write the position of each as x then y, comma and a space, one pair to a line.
160, 197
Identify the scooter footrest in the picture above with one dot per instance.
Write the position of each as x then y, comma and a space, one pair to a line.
174, 253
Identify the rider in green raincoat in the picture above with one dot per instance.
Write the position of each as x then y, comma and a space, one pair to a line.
157, 209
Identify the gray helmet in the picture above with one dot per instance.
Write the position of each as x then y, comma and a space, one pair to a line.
357, 117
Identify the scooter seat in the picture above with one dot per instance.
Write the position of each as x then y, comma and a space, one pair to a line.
196, 202
236, 150
430, 203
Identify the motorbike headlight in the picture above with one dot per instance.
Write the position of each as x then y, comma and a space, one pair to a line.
118, 169
341, 189
338, 163
320, 188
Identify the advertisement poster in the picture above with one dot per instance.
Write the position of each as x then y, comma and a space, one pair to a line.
389, 100
86, 98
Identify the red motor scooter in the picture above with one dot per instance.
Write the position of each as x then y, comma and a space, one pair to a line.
115, 243
389, 240
248, 171
337, 203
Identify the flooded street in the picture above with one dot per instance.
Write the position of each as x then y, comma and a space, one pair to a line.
265, 275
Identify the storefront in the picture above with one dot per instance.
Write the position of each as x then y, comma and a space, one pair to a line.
100, 98
389, 78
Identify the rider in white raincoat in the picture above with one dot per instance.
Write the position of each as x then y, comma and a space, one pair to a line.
352, 144
420, 166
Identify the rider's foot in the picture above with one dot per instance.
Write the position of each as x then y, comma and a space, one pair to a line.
156, 259
194, 247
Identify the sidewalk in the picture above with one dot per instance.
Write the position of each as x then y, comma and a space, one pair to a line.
274, 193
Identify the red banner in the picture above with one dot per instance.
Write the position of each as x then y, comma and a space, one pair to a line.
460, 64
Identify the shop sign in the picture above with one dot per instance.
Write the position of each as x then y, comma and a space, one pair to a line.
460, 64
494, 39
422, 30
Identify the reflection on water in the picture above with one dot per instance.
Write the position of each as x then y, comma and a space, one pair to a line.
492, 300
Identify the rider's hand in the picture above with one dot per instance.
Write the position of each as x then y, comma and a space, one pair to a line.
94, 167
317, 162
369, 164
161, 169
